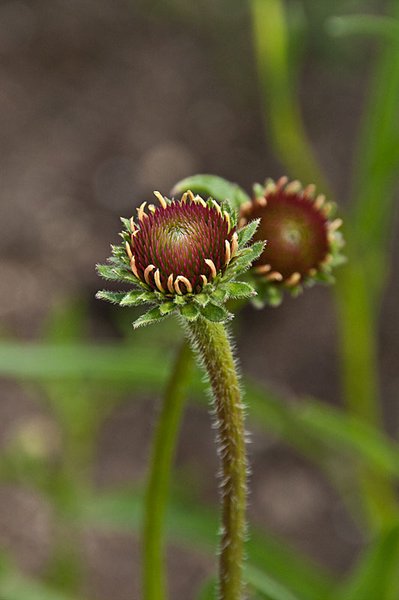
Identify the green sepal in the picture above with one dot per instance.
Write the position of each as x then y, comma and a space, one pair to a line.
179, 300
126, 223
296, 291
258, 190
135, 297
108, 272
244, 259
219, 294
240, 289
112, 273
338, 259
114, 297
152, 316
246, 233
215, 312
167, 307
190, 311
254, 251
201, 298
227, 207
120, 262
273, 295
324, 277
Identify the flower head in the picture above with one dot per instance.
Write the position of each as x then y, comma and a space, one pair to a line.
303, 244
183, 256
180, 246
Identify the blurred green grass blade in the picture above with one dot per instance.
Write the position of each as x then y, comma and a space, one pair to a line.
266, 587
66, 322
271, 43
369, 25
377, 158
208, 590
187, 522
214, 186
15, 586
146, 366
377, 575
309, 425
313, 426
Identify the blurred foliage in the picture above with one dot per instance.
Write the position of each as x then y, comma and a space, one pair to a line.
82, 383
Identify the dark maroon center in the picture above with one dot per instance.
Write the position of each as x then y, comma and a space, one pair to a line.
178, 239
296, 233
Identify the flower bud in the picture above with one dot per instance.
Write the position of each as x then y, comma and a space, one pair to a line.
182, 256
303, 244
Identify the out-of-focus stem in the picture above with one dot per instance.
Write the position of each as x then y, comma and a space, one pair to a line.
156, 498
280, 102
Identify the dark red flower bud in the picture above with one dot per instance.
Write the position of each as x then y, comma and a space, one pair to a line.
301, 239
181, 245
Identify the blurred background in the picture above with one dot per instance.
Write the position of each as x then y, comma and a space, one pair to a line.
101, 103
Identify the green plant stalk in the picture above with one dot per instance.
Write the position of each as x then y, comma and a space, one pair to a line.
368, 25
156, 497
281, 106
357, 323
211, 343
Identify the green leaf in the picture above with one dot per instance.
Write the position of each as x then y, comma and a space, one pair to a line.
246, 233
214, 186
134, 298
376, 576
190, 311
152, 316
215, 312
240, 289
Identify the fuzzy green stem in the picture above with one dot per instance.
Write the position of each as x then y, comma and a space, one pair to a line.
154, 580
211, 342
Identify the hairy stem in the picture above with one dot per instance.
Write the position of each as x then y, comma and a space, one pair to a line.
211, 342
154, 580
